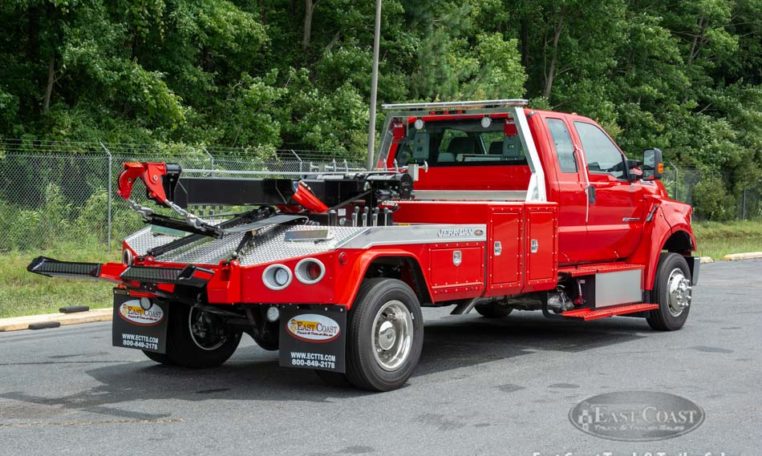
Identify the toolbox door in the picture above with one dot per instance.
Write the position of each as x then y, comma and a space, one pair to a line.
507, 250
541, 247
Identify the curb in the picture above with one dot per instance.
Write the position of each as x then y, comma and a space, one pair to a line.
20, 323
706, 260
743, 256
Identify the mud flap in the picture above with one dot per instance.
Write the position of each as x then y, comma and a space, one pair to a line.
139, 323
313, 337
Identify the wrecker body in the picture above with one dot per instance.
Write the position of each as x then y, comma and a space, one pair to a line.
487, 205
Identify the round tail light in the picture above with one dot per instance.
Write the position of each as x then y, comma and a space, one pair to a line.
310, 271
127, 257
276, 277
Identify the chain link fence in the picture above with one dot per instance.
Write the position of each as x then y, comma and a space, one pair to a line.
52, 193
712, 196
56, 193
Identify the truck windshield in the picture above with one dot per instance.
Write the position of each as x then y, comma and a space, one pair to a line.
461, 143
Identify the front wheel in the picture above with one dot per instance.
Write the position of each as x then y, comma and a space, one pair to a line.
197, 339
385, 335
673, 292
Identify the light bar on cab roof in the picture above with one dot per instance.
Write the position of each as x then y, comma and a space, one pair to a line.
456, 105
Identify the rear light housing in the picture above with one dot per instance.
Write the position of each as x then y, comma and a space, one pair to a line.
309, 271
277, 277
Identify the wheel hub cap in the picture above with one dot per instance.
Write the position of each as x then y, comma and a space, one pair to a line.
387, 335
205, 330
680, 292
392, 335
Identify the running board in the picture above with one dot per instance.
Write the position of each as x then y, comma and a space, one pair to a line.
595, 314
54, 268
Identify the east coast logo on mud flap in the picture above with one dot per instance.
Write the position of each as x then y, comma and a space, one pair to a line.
132, 312
313, 328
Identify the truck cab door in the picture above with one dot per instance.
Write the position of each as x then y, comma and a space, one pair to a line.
569, 190
613, 224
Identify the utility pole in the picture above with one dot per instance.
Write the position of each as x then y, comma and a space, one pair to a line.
374, 87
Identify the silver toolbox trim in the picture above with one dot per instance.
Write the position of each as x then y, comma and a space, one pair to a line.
619, 287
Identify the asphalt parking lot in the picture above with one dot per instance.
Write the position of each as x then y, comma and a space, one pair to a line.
483, 387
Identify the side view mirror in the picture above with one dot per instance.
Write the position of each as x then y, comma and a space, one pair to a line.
653, 164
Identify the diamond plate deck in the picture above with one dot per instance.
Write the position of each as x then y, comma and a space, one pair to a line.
269, 246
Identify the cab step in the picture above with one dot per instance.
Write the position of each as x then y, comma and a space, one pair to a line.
605, 312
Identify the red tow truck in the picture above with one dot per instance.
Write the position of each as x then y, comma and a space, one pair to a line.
485, 205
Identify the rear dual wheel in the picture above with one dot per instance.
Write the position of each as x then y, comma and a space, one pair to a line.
196, 339
384, 337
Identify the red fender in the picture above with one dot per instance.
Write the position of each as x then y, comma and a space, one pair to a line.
348, 294
654, 238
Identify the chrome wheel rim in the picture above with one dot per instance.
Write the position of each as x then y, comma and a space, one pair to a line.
392, 336
680, 292
206, 330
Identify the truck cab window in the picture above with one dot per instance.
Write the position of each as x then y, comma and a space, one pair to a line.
603, 156
461, 143
455, 143
563, 145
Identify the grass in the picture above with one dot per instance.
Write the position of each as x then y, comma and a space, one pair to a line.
717, 239
22, 293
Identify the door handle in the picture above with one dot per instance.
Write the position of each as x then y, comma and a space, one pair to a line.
591, 194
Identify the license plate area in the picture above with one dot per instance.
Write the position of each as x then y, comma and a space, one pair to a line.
139, 323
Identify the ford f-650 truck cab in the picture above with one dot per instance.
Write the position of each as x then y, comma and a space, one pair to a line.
486, 205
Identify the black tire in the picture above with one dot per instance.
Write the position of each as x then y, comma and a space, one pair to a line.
665, 318
183, 348
335, 379
161, 358
492, 310
267, 339
383, 297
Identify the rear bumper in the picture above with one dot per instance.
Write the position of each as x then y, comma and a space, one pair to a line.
223, 284
189, 275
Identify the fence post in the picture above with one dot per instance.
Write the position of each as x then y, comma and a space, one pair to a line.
108, 193
298, 158
211, 159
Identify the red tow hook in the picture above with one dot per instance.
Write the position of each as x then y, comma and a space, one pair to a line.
151, 173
